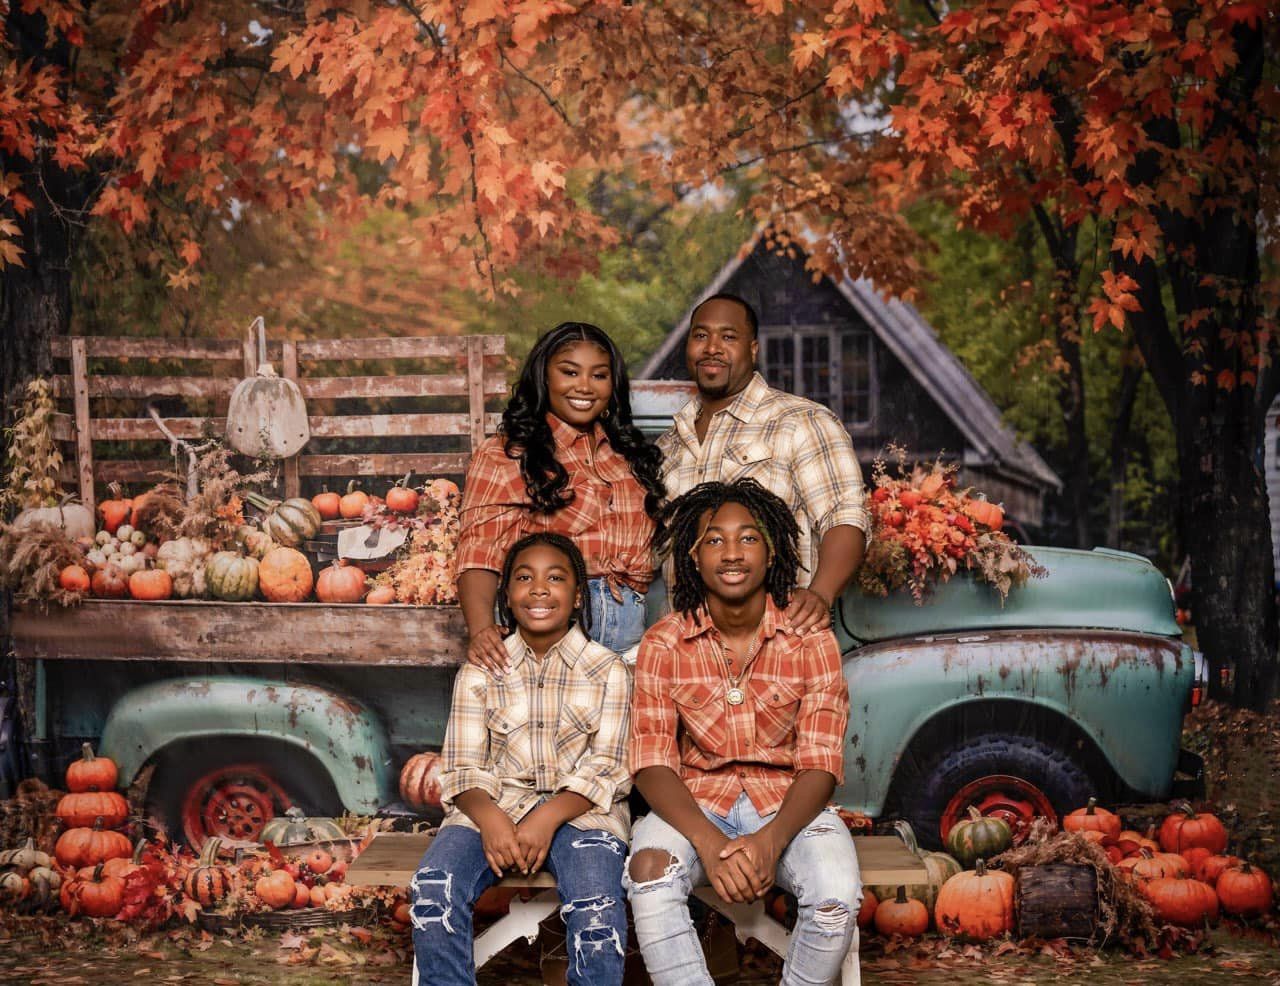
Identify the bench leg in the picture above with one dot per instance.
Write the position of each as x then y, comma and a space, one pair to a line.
522, 919
851, 970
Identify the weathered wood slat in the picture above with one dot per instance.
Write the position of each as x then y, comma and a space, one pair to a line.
141, 387
145, 430
385, 464
62, 427
80, 399
438, 385
475, 389
425, 347
112, 347
289, 370
289, 633
322, 426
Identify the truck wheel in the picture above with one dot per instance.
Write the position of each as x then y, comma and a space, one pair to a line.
1016, 778
234, 792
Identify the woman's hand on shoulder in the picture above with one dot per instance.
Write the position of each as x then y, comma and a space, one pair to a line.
486, 650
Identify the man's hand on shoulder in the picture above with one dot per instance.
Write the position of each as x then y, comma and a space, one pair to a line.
808, 611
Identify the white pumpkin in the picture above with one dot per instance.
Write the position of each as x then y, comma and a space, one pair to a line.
74, 518
184, 559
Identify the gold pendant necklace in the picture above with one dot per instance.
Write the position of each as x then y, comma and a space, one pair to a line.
734, 694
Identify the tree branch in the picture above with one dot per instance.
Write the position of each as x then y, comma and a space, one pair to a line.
551, 100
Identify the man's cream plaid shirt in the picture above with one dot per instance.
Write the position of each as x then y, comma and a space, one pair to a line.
793, 447
559, 724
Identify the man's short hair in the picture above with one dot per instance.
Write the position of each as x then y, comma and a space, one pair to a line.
753, 322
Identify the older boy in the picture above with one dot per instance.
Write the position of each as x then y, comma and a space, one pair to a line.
736, 742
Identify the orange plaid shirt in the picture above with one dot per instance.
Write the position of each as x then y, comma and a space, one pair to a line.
793, 718
606, 519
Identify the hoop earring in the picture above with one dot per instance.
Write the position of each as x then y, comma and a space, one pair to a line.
604, 414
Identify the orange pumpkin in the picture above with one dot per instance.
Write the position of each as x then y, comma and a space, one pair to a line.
381, 595
988, 514
151, 584
91, 773
328, 505
1195, 856
123, 866
86, 846
1244, 890
903, 916
97, 895
400, 914
1188, 903
319, 861
353, 502
109, 582
316, 896
284, 576
115, 511
1211, 867
208, 882
420, 780
402, 498
1151, 866
341, 582
1185, 829
73, 578
80, 810
867, 912
978, 905
1091, 818
277, 889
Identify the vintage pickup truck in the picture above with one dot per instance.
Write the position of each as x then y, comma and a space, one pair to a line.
232, 712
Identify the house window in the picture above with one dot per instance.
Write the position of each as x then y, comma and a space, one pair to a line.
827, 364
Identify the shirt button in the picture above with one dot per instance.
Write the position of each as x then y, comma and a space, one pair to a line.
539, 723
539, 684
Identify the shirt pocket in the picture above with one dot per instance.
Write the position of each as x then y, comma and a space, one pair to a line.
747, 459
702, 714
508, 727
578, 724
777, 703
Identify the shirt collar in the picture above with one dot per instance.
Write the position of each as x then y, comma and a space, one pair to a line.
568, 648
743, 407
773, 622
566, 435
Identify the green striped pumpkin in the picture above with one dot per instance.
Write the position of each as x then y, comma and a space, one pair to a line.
292, 522
978, 837
295, 827
231, 576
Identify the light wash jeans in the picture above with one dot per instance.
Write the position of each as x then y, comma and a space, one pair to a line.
819, 867
587, 865
617, 625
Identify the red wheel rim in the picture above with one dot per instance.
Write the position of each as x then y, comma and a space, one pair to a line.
233, 803
1017, 801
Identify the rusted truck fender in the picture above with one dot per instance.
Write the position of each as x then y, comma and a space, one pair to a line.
346, 738
1124, 692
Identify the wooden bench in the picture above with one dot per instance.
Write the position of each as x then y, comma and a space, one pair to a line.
392, 859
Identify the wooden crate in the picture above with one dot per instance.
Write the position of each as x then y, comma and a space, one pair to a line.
210, 369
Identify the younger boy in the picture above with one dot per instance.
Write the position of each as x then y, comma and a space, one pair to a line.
737, 742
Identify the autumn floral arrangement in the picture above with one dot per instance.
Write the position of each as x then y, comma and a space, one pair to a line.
426, 575
925, 529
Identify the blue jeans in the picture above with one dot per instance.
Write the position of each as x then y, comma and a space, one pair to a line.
587, 866
617, 625
819, 867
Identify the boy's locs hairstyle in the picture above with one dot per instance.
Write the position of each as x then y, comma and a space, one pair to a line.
581, 612
678, 535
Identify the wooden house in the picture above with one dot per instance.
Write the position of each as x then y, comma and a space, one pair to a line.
880, 367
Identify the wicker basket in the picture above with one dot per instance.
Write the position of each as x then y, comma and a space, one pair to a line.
308, 917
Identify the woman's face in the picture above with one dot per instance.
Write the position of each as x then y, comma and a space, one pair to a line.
579, 383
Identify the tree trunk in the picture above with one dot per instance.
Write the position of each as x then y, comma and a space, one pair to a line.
1120, 432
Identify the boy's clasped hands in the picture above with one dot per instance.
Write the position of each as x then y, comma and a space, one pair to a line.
744, 868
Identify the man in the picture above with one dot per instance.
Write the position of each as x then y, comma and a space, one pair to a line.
737, 736
738, 425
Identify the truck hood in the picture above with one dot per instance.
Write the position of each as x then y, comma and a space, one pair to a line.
1100, 589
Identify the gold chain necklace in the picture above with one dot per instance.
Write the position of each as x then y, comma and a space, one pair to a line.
734, 694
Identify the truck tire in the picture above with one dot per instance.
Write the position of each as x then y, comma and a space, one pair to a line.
1003, 774
231, 788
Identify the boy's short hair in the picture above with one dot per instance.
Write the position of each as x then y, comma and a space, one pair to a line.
678, 535
581, 612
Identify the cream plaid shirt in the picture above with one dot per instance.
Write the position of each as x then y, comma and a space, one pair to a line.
793, 447
560, 724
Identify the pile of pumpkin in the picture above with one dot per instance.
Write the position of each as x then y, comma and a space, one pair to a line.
1183, 873
122, 560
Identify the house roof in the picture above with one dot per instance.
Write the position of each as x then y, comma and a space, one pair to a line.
902, 330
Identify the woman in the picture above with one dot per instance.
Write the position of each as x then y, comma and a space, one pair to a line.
567, 459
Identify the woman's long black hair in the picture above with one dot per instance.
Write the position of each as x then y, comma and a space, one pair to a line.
528, 436
581, 611
678, 534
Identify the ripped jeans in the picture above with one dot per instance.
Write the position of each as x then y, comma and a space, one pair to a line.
819, 867
587, 866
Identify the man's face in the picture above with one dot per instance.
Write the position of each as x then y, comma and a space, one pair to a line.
721, 349
731, 555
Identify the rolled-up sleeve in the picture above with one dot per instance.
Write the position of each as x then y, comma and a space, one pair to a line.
493, 504
465, 757
827, 475
824, 709
654, 718
602, 776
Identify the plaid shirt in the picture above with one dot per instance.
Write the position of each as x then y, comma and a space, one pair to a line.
793, 719
606, 519
559, 724
793, 447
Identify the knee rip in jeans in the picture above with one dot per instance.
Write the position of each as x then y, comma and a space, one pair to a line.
652, 868
831, 918
819, 827
432, 899
601, 841
597, 935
